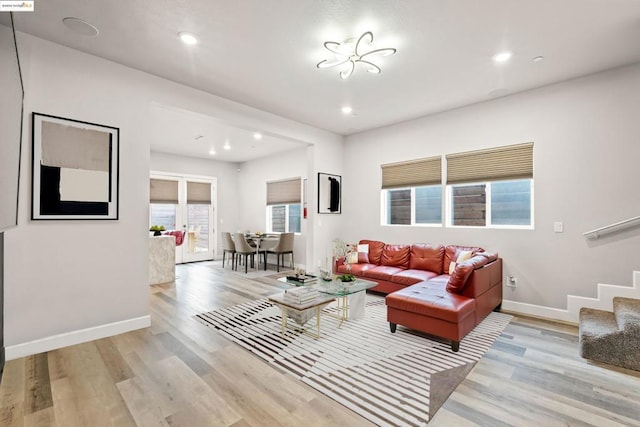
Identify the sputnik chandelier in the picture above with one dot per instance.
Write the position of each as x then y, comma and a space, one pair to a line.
351, 52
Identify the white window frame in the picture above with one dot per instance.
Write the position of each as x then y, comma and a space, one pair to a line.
488, 223
384, 194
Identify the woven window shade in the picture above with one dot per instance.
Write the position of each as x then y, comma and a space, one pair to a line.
284, 192
199, 193
413, 173
494, 164
163, 191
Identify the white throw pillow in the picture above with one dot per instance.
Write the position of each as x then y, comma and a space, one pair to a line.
462, 256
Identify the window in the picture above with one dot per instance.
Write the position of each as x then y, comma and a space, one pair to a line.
491, 187
411, 206
283, 206
284, 218
412, 192
491, 204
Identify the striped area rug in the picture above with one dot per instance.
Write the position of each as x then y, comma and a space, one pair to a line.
390, 379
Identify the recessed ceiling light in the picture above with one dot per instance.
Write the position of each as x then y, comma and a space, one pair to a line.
346, 109
212, 152
226, 146
80, 26
188, 38
257, 136
502, 57
538, 58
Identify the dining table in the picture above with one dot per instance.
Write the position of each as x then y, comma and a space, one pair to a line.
262, 241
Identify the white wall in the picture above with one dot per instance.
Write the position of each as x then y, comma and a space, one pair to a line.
252, 193
72, 281
585, 170
227, 205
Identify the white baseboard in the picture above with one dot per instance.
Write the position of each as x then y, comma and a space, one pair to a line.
538, 311
76, 337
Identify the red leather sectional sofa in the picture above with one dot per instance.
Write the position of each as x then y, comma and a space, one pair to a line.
421, 294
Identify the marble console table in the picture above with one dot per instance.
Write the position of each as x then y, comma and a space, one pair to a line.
162, 259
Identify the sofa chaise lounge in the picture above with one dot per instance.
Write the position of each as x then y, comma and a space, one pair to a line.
438, 290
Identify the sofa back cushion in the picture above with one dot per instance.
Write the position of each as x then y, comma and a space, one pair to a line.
395, 256
426, 257
463, 270
375, 250
452, 252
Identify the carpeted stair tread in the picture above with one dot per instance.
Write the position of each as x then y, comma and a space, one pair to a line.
596, 323
612, 338
627, 313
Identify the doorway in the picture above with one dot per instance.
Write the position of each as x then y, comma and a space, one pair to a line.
185, 203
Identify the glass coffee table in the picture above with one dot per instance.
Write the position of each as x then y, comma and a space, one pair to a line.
350, 296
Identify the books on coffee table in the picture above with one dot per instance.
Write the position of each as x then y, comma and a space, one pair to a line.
300, 295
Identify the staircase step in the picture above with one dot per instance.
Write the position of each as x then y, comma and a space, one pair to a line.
600, 337
627, 313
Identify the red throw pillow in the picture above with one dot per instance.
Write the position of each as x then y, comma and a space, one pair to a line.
363, 258
463, 270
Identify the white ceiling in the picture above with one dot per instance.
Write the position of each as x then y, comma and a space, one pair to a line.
263, 53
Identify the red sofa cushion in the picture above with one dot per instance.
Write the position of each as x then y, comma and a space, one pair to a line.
411, 277
426, 257
396, 256
381, 272
375, 250
464, 269
451, 253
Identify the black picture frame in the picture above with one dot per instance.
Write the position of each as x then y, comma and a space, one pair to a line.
75, 169
329, 193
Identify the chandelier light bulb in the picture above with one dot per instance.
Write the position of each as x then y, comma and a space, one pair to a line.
349, 54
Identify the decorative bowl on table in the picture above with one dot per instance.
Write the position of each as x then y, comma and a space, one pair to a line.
347, 278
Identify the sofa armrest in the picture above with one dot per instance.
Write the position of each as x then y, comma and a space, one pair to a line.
484, 278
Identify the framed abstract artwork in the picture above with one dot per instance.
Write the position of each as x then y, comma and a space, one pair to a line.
329, 193
75, 169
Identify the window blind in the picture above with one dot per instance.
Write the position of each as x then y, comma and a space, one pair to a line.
199, 193
412, 173
493, 164
284, 192
163, 191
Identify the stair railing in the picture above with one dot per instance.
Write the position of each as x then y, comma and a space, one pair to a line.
612, 228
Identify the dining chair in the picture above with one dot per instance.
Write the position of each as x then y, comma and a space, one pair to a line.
228, 247
243, 249
283, 247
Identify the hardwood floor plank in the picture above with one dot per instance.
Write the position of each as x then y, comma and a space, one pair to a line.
113, 360
195, 363
65, 403
37, 386
145, 410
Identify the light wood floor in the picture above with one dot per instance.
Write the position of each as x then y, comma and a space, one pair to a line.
181, 373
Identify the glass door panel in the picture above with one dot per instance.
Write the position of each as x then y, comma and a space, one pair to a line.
199, 218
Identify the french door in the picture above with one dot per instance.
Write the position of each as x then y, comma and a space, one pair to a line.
186, 203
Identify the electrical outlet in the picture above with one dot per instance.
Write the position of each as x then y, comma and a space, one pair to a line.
512, 282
